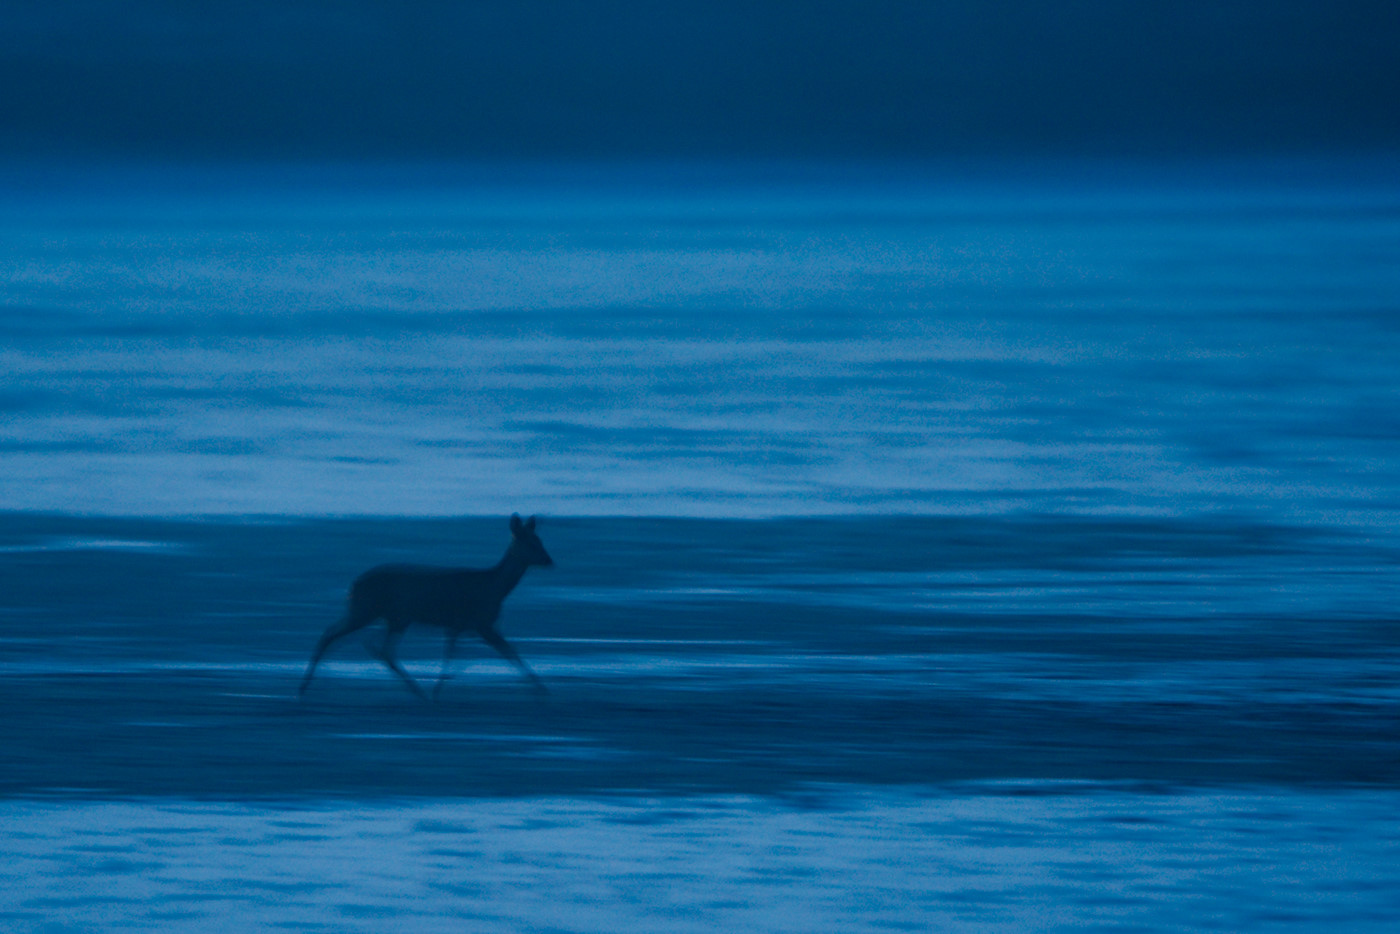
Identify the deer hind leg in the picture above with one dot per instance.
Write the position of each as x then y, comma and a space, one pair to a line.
498, 642
385, 653
350, 623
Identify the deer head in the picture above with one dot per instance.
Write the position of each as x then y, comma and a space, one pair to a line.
526, 544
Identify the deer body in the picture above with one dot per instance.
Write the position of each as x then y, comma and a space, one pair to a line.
453, 598
456, 599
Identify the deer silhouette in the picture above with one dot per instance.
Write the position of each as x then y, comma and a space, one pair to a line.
457, 599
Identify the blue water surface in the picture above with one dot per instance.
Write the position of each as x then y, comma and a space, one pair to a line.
990, 549
636, 341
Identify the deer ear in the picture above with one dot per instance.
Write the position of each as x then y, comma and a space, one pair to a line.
515, 522
530, 524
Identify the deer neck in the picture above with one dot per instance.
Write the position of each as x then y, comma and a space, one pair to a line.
508, 571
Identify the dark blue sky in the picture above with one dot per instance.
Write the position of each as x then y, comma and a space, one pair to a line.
370, 79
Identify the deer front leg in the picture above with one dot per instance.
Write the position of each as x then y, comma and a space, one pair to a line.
498, 642
447, 649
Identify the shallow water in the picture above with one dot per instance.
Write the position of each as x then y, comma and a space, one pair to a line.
974, 858
727, 656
